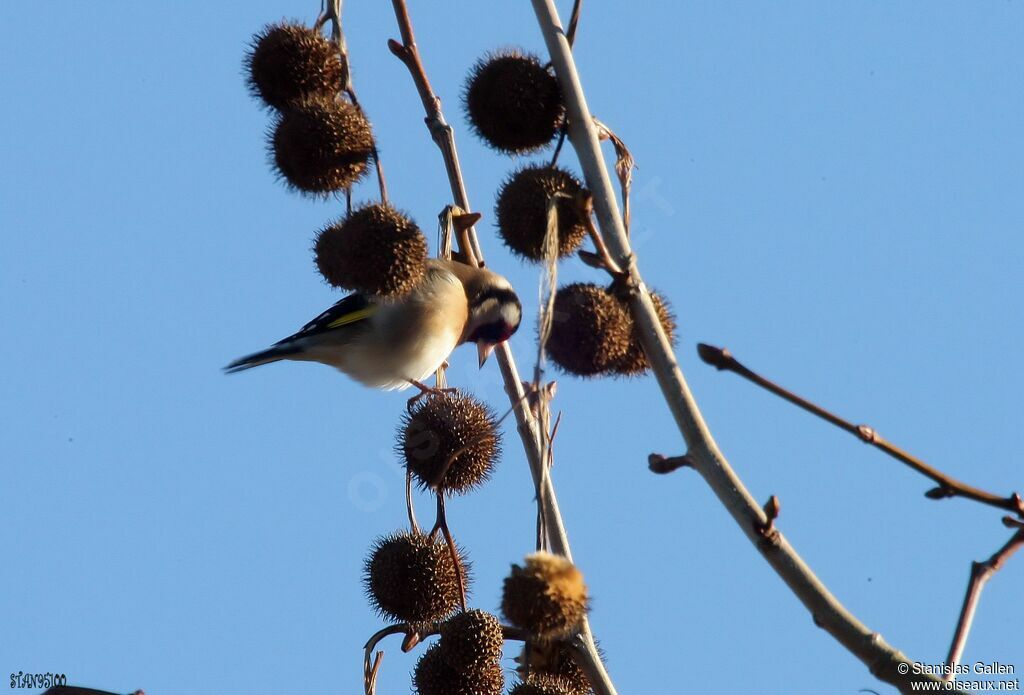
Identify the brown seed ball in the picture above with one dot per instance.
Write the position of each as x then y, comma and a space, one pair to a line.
513, 102
547, 597
635, 362
552, 660
288, 62
471, 638
375, 250
443, 427
411, 578
541, 685
590, 331
522, 211
321, 146
434, 676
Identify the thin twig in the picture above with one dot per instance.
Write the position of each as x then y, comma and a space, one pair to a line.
332, 13
422, 630
413, 636
546, 291
444, 251
562, 132
370, 675
446, 226
547, 287
413, 526
948, 486
884, 661
551, 438
586, 206
442, 525
574, 21
371, 664
981, 572
542, 535
529, 432
442, 133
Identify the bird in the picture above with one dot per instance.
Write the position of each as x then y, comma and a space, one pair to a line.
397, 343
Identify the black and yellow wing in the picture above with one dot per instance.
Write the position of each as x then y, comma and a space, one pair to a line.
351, 311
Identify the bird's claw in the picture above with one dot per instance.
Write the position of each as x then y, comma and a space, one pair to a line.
426, 391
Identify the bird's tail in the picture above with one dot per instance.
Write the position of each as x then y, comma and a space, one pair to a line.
273, 354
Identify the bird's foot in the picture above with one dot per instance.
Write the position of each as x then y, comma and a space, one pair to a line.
426, 391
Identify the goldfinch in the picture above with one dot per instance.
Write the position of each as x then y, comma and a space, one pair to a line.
394, 344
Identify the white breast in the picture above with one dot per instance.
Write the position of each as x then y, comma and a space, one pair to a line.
434, 350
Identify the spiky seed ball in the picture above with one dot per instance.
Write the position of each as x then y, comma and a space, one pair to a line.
375, 250
411, 578
522, 211
471, 638
450, 427
635, 362
513, 102
590, 330
321, 146
541, 685
552, 660
288, 62
546, 597
434, 676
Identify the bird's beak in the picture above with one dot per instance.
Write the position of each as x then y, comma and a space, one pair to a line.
484, 350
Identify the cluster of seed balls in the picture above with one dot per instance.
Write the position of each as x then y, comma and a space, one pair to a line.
515, 105
411, 577
466, 660
546, 598
449, 443
321, 144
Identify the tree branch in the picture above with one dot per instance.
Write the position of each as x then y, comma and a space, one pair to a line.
949, 486
529, 431
981, 572
882, 659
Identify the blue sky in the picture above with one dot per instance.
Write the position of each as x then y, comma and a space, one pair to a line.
833, 190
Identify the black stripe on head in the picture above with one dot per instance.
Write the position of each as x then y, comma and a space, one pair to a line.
502, 295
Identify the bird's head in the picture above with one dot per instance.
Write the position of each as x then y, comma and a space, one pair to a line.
494, 313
